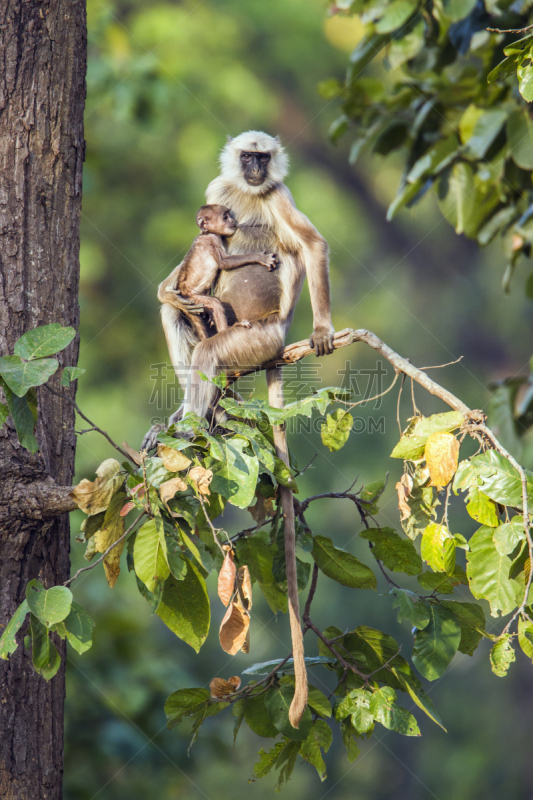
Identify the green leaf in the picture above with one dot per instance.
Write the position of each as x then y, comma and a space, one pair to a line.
519, 47
356, 704
185, 703
4, 414
410, 608
413, 442
257, 717
422, 501
79, 627
45, 657
341, 566
488, 573
44, 341
48, 605
503, 70
520, 138
370, 494
384, 710
150, 554
438, 548
348, 740
436, 645
184, 607
336, 429
412, 686
507, 536
458, 9
525, 79
257, 553
486, 129
22, 417
396, 553
440, 582
437, 158
278, 701
472, 622
482, 508
265, 667
8, 643
467, 197
20, 375
498, 479
176, 562
282, 756
525, 637
236, 478
502, 656
70, 374
395, 15
320, 736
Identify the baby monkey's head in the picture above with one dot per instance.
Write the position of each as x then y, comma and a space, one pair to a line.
216, 219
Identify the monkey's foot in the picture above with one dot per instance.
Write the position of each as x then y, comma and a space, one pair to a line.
150, 439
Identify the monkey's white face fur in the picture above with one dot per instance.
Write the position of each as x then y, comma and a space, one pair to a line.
254, 142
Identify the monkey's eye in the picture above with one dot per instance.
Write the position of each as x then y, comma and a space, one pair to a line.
265, 157
246, 157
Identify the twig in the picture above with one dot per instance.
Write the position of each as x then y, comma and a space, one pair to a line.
308, 624
213, 529
94, 427
376, 396
312, 590
398, 405
441, 366
301, 472
386, 664
511, 30
111, 546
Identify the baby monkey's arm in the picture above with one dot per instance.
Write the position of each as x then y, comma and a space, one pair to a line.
268, 260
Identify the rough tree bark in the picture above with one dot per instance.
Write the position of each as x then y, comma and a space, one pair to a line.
42, 96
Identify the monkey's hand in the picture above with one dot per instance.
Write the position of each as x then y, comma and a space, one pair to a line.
270, 261
244, 323
178, 301
321, 340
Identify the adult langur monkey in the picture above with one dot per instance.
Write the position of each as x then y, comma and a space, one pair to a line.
253, 166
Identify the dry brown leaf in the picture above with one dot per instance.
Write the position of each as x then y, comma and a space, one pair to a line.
233, 629
403, 487
126, 509
246, 644
517, 243
173, 460
111, 530
262, 509
168, 489
442, 457
226, 578
94, 496
221, 688
201, 478
133, 454
245, 584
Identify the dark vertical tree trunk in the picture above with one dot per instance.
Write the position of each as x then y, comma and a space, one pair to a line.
42, 95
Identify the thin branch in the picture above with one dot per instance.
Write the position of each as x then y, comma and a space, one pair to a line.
301, 472
213, 529
510, 30
448, 364
111, 546
308, 624
312, 590
94, 427
376, 396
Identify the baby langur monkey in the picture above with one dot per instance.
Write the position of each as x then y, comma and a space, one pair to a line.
196, 274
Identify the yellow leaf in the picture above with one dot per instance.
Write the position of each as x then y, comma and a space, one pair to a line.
95, 496
201, 478
442, 457
168, 489
173, 460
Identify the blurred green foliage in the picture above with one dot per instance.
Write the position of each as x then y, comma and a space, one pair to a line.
166, 84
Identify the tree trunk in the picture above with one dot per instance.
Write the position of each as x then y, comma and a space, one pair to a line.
42, 96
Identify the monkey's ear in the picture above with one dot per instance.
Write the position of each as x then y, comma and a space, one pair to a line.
202, 223
278, 140
229, 139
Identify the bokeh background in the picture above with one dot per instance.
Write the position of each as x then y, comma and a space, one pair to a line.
167, 83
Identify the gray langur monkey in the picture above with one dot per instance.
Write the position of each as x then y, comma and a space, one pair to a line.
253, 167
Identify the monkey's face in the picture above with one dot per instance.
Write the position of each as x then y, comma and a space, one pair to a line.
223, 224
255, 167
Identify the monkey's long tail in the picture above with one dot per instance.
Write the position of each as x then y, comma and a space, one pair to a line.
299, 701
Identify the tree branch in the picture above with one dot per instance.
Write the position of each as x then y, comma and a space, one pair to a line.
295, 352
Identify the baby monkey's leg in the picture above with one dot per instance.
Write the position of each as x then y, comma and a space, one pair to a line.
216, 308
